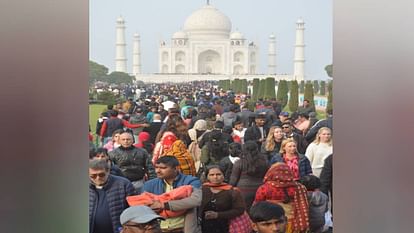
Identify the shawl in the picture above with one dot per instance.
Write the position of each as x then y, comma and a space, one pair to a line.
179, 150
279, 175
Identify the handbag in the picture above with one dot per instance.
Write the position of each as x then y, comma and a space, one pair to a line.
240, 224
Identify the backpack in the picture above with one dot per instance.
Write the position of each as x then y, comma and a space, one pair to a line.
217, 146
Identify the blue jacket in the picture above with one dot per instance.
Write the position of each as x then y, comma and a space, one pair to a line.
117, 189
304, 164
157, 185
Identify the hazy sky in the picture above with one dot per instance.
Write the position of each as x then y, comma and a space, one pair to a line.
157, 20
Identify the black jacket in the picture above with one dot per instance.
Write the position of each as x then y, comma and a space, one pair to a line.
311, 134
132, 161
253, 134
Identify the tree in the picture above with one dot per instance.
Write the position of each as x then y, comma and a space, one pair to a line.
256, 83
329, 106
244, 86
315, 86
322, 90
270, 88
117, 77
262, 87
97, 72
309, 93
282, 92
107, 97
294, 96
302, 87
329, 70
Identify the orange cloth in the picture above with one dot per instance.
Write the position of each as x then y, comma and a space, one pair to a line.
147, 199
222, 186
180, 151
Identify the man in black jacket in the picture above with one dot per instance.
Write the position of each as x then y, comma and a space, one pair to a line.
258, 131
132, 161
107, 198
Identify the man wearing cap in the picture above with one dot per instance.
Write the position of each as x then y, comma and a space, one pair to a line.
107, 197
140, 219
169, 178
258, 131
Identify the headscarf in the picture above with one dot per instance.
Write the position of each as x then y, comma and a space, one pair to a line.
279, 175
200, 126
168, 138
142, 137
180, 151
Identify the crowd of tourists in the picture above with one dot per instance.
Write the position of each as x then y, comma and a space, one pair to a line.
190, 158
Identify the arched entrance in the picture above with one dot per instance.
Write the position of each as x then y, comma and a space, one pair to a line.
209, 62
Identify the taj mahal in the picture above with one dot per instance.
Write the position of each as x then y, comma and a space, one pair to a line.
207, 48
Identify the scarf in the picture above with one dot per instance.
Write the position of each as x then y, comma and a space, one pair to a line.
222, 186
281, 176
293, 164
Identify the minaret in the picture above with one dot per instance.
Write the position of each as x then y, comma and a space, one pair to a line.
120, 57
272, 54
136, 55
299, 60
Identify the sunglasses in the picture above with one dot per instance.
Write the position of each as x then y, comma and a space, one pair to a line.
146, 226
285, 127
101, 175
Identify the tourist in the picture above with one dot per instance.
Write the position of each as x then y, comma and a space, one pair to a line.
248, 172
220, 203
258, 131
131, 160
273, 142
107, 198
140, 219
289, 132
169, 178
288, 154
319, 150
268, 217
281, 188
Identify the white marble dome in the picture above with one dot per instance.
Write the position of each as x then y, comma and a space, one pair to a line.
236, 36
180, 35
208, 21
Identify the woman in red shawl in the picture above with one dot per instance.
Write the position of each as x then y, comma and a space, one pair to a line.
171, 145
280, 187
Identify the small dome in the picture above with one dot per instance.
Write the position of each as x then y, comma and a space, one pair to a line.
208, 21
136, 35
120, 20
300, 20
272, 36
180, 35
236, 36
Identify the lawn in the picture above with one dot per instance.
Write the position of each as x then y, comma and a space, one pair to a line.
94, 111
